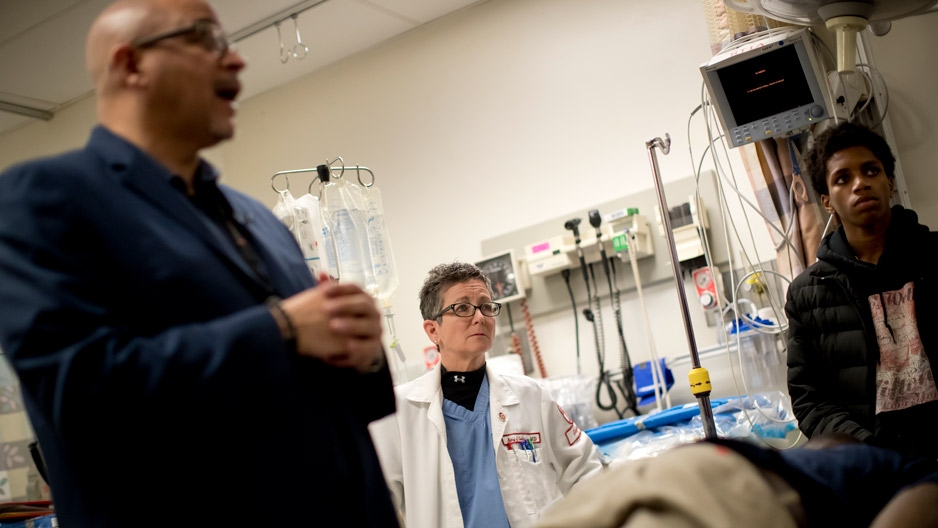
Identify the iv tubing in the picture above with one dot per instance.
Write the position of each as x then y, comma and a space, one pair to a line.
722, 180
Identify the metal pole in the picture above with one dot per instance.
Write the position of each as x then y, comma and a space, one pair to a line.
698, 377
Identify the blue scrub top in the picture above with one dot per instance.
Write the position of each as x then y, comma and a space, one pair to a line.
469, 442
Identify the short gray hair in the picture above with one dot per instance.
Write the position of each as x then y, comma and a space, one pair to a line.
442, 277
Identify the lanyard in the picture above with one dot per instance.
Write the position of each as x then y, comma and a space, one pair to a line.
210, 200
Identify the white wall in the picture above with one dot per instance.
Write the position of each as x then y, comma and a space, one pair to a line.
508, 114
494, 119
67, 130
906, 58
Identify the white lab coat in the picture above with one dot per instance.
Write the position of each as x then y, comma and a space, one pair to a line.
411, 446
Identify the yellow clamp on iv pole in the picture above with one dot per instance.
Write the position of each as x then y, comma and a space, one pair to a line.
698, 377
699, 380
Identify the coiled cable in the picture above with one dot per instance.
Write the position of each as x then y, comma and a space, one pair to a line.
532, 338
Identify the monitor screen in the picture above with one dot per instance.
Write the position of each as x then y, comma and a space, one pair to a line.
765, 85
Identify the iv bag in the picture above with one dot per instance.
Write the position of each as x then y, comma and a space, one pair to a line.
309, 232
354, 197
379, 239
283, 210
349, 233
329, 259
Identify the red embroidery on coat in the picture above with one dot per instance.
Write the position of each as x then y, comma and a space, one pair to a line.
573, 432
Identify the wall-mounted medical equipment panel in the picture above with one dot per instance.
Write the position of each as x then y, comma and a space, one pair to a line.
622, 228
547, 248
688, 222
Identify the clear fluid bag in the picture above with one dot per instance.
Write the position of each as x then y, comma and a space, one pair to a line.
355, 198
379, 240
284, 210
309, 231
328, 254
348, 234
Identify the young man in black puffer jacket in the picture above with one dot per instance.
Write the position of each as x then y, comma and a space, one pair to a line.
862, 349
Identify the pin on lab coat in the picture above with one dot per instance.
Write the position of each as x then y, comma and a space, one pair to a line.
411, 446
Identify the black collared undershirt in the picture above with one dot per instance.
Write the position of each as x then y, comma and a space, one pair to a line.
462, 388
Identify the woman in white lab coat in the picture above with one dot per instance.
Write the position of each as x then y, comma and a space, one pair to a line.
469, 447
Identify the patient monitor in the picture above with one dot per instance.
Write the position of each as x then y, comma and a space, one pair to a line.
767, 85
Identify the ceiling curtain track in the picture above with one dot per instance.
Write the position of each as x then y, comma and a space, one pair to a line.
241, 34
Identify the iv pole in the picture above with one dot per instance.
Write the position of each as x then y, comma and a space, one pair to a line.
698, 376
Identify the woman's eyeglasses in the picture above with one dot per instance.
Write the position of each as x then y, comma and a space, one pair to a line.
489, 309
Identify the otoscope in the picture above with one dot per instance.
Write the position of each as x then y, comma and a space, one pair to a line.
573, 225
626, 387
595, 221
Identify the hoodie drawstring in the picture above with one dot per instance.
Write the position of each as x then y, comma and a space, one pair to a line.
886, 317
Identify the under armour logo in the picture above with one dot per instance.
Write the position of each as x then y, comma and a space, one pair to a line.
460, 379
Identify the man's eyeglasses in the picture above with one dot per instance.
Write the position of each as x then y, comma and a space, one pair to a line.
204, 33
489, 309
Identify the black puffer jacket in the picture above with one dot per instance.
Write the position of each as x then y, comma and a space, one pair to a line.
832, 349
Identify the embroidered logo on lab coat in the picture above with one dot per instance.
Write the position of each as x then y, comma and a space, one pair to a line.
573, 432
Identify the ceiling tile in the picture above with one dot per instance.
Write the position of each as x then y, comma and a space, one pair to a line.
421, 10
238, 14
42, 42
48, 62
332, 31
17, 16
10, 121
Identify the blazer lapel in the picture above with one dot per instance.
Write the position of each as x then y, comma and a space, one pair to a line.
147, 178
281, 277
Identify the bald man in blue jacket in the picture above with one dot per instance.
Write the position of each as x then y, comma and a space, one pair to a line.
178, 361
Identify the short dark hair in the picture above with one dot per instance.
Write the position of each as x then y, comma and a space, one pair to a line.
840, 137
442, 277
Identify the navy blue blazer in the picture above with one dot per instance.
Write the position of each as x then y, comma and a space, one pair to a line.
156, 380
